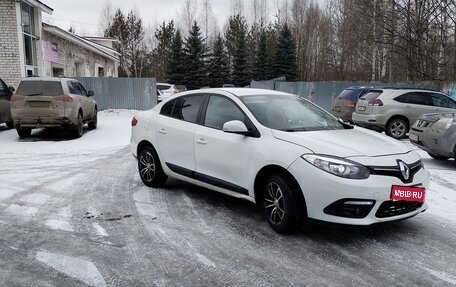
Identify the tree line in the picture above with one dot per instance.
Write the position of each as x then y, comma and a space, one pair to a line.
340, 40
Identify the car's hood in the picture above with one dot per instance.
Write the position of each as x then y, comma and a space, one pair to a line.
433, 117
344, 143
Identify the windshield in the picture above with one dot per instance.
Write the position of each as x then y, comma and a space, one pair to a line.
290, 113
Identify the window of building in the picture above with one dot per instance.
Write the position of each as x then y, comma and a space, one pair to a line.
29, 35
101, 72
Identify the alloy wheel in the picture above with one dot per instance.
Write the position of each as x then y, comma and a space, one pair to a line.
147, 166
274, 203
398, 129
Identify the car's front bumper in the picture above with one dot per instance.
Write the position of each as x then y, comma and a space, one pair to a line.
321, 190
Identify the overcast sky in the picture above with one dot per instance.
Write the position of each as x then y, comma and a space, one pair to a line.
84, 15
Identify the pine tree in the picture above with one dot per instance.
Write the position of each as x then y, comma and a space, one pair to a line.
175, 65
240, 65
195, 56
218, 66
164, 34
261, 69
118, 30
285, 63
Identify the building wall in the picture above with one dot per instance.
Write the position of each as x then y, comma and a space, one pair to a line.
10, 59
75, 60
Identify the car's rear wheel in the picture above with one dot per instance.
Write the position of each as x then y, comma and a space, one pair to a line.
397, 128
280, 204
93, 124
10, 125
438, 157
77, 131
149, 168
24, 132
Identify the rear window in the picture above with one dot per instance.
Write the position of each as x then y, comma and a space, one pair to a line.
163, 87
371, 95
40, 88
347, 94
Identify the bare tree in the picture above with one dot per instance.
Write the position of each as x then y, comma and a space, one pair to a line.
187, 15
106, 17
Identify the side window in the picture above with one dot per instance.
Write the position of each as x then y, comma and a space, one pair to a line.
81, 89
3, 87
167, 108
187, 108
72, 88
415, 98
443, 101
221, 110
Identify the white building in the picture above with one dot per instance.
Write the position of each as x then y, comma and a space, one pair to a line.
30, 48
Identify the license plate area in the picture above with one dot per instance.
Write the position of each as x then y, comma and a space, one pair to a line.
408, 193
337, 109
39, 104
361, 109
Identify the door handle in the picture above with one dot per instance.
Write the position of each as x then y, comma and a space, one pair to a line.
162, 131
201, 141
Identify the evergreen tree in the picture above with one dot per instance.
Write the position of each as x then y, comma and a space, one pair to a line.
236, 25
175, 66
218, 66
164, 34
285, 63
118, 29
195, 56
240, 64
261, 69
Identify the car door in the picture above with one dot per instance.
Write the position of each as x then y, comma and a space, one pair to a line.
175, 132
85, 101
443, 103
415, 104
222, 159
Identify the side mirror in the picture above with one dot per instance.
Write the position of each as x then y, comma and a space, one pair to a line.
11, 88
236, 127
90, 93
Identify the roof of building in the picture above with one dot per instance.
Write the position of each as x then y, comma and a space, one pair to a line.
87, 44
43, 7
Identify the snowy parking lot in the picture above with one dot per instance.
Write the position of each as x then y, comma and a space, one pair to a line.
73, 212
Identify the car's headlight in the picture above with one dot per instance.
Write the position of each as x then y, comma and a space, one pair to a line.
338, 166
442, 124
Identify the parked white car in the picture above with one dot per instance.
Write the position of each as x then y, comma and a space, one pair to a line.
167, 89
286, 154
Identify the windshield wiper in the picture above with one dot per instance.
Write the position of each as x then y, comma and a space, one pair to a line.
300, 129
37, 94
345, 124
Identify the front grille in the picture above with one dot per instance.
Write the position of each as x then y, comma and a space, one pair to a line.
393, 208
396, 172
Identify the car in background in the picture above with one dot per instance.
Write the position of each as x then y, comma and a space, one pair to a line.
167, 89
52, 102
345, 103
5, 104
160, 96
436, 134
289, 156
395, 110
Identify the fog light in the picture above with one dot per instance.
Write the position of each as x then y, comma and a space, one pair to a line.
359, 202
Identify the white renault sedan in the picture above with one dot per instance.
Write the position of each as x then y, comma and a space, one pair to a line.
291, 157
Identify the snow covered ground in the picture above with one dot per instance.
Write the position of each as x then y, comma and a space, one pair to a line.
73, 212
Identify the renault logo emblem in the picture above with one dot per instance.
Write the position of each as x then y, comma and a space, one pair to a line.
405, 170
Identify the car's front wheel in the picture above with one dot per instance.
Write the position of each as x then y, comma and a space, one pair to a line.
280, 204
397, 128
23, 132
149, 168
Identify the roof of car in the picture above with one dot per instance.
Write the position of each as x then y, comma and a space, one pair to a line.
49, 79
241, 92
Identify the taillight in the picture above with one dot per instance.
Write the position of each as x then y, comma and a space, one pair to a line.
134, 122
65, 98
376, 103
17, 97
350, 103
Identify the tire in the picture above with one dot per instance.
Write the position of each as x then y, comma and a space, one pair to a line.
77, 131
150, 169
24, 132
397, 128
280, 204
438, 157
10, 125
93, 124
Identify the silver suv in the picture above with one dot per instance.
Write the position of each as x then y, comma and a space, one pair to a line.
52, 102
395, 110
